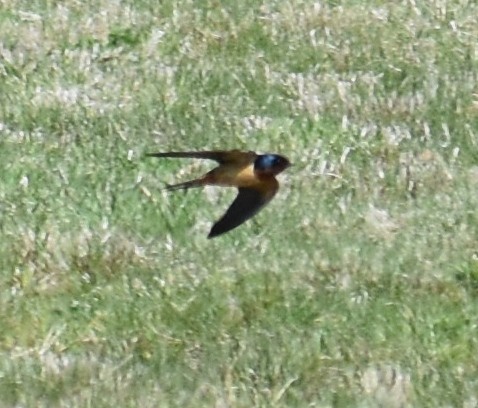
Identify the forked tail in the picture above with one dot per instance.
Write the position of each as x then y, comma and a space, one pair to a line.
186, 185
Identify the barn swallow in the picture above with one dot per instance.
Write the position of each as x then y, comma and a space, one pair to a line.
251, 173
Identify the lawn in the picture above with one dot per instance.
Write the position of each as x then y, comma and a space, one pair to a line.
356, 287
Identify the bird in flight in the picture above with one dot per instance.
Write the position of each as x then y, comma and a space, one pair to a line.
251, 173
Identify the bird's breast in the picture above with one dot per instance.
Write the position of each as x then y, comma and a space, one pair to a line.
236, 176
246, 177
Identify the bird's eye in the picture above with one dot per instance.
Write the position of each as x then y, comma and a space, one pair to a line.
278, 161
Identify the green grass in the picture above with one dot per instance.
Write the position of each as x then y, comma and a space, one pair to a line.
358, 284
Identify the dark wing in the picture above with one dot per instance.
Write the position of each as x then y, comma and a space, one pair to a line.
248, 203
221, 156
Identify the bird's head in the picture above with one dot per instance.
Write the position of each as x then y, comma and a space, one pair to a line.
271, 164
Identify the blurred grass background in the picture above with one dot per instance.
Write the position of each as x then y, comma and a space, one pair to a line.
357, 286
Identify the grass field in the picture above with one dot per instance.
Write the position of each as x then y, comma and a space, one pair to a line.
356, 287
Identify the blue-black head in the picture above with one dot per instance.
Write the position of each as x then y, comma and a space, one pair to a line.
271, 163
